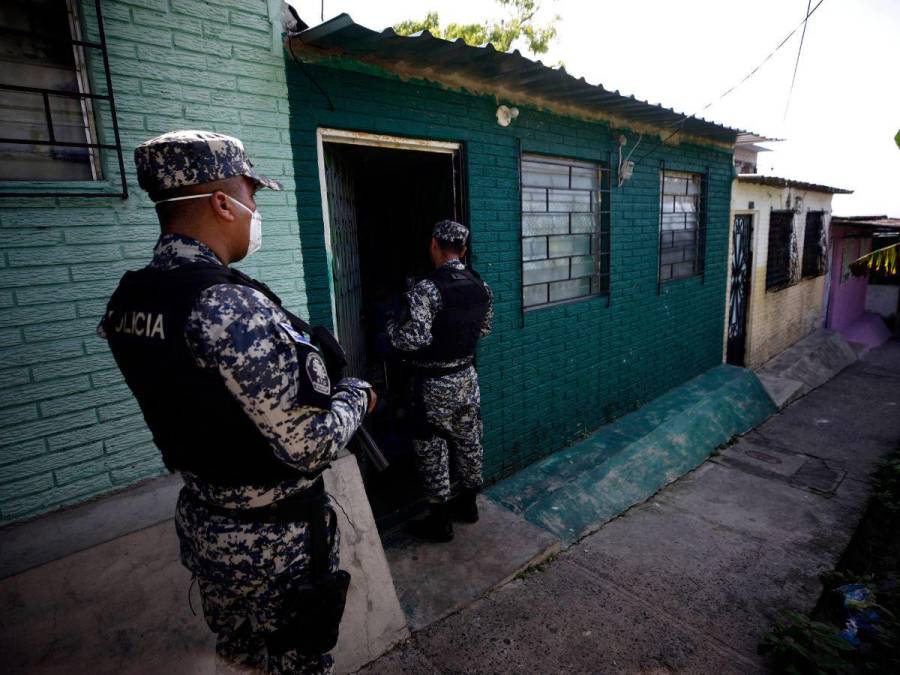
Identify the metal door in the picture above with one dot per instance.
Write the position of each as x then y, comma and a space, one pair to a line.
741, 264
345, 262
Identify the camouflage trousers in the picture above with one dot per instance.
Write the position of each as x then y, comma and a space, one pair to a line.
449, 411
243, 571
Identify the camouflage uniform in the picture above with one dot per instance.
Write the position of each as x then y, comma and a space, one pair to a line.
244, 568
451, 403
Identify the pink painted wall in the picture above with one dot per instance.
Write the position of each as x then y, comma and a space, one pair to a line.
847, 301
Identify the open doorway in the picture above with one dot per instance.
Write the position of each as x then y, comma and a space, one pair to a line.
382, 196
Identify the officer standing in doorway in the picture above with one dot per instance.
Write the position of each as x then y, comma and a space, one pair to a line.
448, 312
239, 400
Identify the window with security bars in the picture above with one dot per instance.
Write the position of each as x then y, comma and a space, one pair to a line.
778, 262
565, 230
681, 222
813, 244
48, 110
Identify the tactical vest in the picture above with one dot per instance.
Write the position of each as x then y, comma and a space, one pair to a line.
196, 422
457, 325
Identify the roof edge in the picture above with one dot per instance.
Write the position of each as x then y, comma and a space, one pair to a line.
777, 181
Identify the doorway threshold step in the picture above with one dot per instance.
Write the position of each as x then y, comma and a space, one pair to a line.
571, 493
435, 580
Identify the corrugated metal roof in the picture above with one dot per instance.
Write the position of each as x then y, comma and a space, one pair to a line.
869, 222
776, 181
509, 75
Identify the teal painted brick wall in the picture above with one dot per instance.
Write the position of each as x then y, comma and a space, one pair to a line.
69, 428
569, 368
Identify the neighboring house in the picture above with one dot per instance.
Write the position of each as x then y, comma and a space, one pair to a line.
607, 288
857, 308
778, 260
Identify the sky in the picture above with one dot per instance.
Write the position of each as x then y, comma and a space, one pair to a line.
844, 110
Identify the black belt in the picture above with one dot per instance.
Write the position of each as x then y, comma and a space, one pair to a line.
425, 371
306, 505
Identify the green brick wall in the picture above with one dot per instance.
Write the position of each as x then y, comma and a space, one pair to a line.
569, 368
69, 428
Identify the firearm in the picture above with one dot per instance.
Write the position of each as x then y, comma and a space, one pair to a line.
336, 363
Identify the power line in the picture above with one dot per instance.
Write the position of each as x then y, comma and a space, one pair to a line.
728, 91
787, 105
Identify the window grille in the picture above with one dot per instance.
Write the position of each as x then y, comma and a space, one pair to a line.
814, 244
565, 230
48, 113
682, 221
778, 262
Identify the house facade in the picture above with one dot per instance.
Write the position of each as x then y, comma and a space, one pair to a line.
607, 289
857, 308
778, 252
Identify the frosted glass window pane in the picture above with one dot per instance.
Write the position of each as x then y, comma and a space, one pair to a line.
571, 245
585, 178
534, 199
574, 288
583, 267
685, 204
534, 248
694, 185
672, 255
534, 295
684, 269
675, 185
673, 221
545, 270
569, 200
539, 174
583, 223
544, 223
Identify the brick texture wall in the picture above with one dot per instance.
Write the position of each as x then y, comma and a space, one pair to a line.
553, 375
69, 428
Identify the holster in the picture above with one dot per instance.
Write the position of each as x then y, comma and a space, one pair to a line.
311, 606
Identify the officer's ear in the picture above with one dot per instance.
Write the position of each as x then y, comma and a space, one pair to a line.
222, 206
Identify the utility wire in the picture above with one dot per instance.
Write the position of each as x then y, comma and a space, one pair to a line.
787, 105
753, 72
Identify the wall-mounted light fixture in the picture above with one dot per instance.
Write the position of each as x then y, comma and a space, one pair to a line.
505, 115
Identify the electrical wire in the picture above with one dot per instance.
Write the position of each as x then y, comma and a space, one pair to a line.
308, 76
787, 105
728, 91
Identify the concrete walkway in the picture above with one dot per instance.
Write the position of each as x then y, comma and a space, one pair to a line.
688, 581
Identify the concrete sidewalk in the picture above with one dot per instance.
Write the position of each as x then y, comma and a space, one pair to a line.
688, 581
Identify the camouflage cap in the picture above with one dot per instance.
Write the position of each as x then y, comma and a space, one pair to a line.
181, 158
450, 231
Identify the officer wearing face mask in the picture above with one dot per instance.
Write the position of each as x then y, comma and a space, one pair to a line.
240, 402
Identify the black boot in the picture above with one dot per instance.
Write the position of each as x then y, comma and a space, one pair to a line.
464, 507
435, 526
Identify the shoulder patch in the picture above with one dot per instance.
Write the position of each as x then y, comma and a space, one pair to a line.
295, 335
318, 373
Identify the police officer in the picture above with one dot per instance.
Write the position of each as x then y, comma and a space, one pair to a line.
238, 399
447, 313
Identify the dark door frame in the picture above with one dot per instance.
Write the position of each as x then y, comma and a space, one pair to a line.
732, 344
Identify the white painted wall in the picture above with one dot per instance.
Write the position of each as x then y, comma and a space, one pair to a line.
776, 319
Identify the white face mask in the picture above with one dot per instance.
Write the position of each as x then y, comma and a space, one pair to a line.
255, 220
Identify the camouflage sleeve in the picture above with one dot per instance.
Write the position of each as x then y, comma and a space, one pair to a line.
424, 301
235, 330
488, 321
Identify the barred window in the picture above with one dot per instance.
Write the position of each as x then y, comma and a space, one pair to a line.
813, 240
680, 225
565, 232
46, 124
778, 262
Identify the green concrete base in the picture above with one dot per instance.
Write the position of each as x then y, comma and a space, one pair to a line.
574, 491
